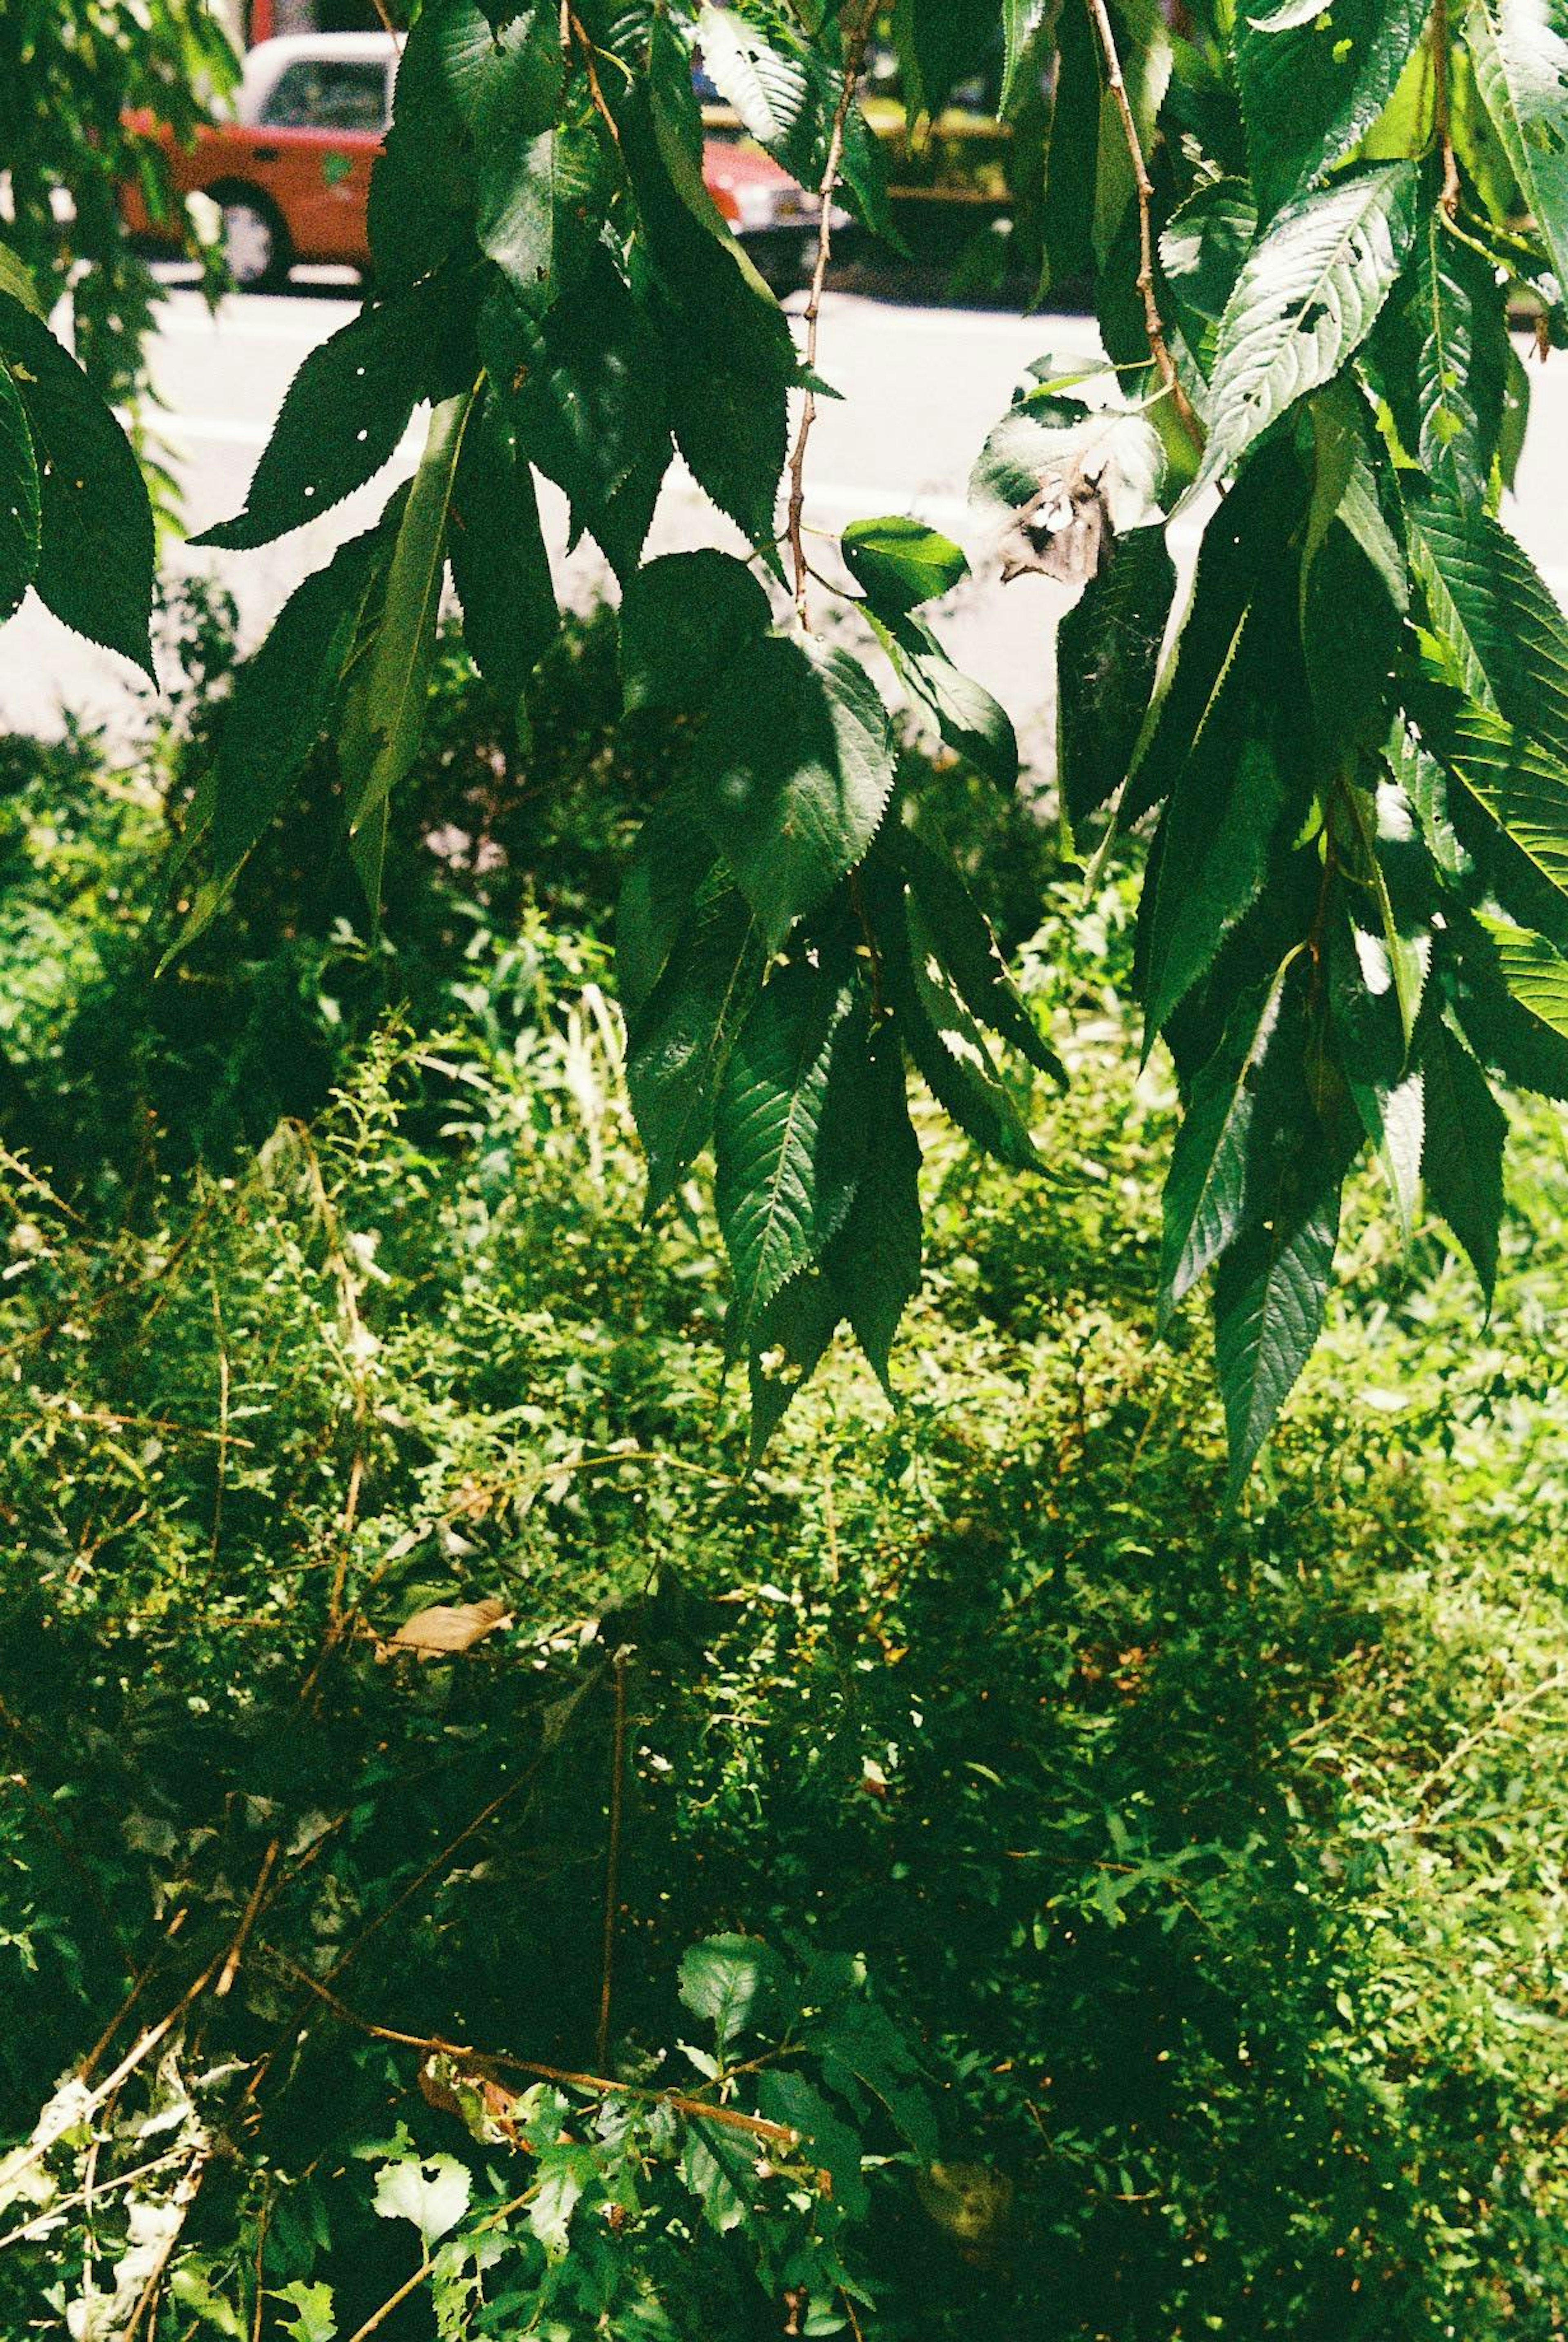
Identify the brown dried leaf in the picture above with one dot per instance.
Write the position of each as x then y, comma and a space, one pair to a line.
448, 1627
1065, 531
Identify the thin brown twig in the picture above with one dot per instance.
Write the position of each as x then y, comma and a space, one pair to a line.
181, 2200
394, 2301
853, 53
1154, 324
387, 25
574, 26
601, 2086
612, 1860
233, 1956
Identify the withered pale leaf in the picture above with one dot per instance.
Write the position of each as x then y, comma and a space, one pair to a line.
448, 1627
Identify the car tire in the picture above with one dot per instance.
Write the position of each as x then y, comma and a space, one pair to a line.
255, 241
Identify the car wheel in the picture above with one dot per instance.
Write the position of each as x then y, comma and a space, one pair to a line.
256, 245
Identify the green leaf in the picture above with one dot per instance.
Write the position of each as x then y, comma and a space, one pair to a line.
685, 619
561, 2181
432, 2194
970, 959
96, 555
856, 2041
1495, 617
312, 2319
1534, 971
1313, 86
1205, 1197
1269, 1290
788, 1344
499, 564
792, 776
1522, 787
672, 858
19, 519
1461, 1160
970, 722
1107, 651
940, 41
873, 1262
1513, 1039
1147, 57
384, 723
946, 1045
736, 1984
341, 419
783, 2096
1307, 299
788, 1132
1443, 355
1203, 246
681, 1036
277, 711
1027, 37
1520, 49
898, 562
1072, 154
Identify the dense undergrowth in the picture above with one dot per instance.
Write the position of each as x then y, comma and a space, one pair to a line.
1210, 1868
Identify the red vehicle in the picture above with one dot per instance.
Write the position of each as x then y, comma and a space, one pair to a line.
290, 167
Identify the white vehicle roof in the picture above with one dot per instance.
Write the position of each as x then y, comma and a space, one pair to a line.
267, 61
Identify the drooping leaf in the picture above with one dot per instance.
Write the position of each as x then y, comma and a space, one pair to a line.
341, 420
946, 1045
1443, 355
1307, 299
1147, 56
499, 564
19, 532
1312, 86
680, 1035
95, 548
1520, 49
1107, 651
1205, 1193
898, 561
1201, 248
972, 724
874, 1263
785, 1347
1535, 972
1270, 1289
938, 42
685, 619
786, 2097
1507, 1033
1495, 617
1461, 1160
967, 949
1067, 215
788, 1133
792, 776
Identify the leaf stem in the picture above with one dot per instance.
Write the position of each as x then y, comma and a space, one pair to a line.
1442, 123
853, 53
1154, 324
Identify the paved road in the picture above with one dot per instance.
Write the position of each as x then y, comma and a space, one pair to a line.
920, 388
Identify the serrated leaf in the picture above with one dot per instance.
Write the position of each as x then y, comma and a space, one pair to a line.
19, 530
940, 41
681, 1035
963, 939
857, 2042
276, 712
1534, 971
1522, 1048
1522, 787
1443, 354
1461, 1156
671, 860
947, 1047
1313, 84
1307, 299
1495, 617
685, 619
1027, 40
1108, 652
873, 1262
786, 1346
1202, 249
969, 721
784, 2097
1071, 155
899, 562
341, 419
95, 567
384, 723
499, 566
1520, 49
788, 1133
1270, 1290
792, 776
432, 2194
1146, 58
736, 1984
767, 86
1205, 1193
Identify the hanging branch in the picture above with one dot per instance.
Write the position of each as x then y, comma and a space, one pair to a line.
1442, 123
854, 55
1153, 325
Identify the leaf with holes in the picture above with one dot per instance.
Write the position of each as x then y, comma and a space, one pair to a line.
1307, 299
1311, 87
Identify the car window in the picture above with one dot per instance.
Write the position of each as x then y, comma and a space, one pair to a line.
328, 94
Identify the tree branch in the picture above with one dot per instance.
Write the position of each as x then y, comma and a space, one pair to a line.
1153, 325
1441, 121
854, 54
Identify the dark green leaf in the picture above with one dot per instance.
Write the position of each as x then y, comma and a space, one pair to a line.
671, 860
499, 564
969, 957
1311, 87
784, 2097
1068, 219
680, 1037
96, 558
19, 537
736, 1984
947, 1046
970, 723
1443, 355
1519, 48
786, 1346
873, 1262
1462, 1160
788, 1131
940, 41
1201, 248
685, 619
792, 776
1496, 619
1107, 650
1270, 1289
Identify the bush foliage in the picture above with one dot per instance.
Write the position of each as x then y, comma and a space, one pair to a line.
1148, 1916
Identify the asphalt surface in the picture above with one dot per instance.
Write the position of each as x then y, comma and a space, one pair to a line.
920, 387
